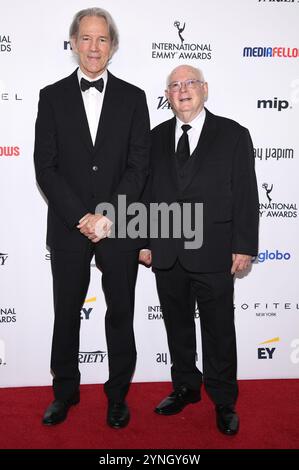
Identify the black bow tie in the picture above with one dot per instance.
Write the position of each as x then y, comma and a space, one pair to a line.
98, 84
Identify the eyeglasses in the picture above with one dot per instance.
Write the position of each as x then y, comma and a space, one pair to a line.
174, 87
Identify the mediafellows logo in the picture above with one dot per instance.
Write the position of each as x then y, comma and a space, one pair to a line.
183, 48
271, 52
9, 151
5, 43
276, 209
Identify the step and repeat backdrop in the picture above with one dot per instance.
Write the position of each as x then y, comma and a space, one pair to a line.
249, 53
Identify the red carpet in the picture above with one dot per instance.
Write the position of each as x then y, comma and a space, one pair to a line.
268, 409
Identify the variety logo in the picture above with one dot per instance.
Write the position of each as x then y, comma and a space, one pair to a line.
2, 353
271, 153
10, 151
276, 104
273, 256
86, 311
276, 209
284, 52
3, 258
181, 50
163, 103
92, 357
5, 43
7, 315
267, 352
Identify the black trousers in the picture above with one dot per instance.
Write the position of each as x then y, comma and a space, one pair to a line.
178, 289
71, 276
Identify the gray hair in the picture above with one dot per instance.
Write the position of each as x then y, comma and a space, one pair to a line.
196, 70
101, 13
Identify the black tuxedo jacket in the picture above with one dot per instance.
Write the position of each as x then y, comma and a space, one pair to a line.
73, 174
220, 174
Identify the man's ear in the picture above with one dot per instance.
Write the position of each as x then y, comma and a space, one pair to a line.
206, 90
74, 44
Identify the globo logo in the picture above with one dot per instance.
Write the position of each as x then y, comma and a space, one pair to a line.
273, 256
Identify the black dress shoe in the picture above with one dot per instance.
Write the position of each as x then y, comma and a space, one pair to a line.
118, 415
227, 419
58, 410
177, 401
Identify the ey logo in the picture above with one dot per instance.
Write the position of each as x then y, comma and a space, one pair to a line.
267, 352
86, 311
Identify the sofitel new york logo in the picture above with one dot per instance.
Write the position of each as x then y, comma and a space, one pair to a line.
276, 209
181, 49
268, 309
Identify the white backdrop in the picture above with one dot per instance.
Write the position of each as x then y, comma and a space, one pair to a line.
261, 92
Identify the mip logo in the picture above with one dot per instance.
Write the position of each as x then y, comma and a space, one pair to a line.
277, 104
86, 311
180, 29
267, 352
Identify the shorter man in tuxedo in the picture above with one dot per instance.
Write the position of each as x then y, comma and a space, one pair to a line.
197, 157
91, 146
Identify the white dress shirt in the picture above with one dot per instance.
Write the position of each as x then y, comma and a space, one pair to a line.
193, 133
93, 102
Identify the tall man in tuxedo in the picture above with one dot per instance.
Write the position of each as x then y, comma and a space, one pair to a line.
92, 144
198, 157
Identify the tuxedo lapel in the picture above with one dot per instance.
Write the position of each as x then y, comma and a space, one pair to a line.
204, 147
112, 98
169, 148
74, 102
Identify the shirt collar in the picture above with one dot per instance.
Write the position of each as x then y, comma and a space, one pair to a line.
103, 75
196, 123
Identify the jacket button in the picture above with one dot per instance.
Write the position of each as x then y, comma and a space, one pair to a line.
95, 168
